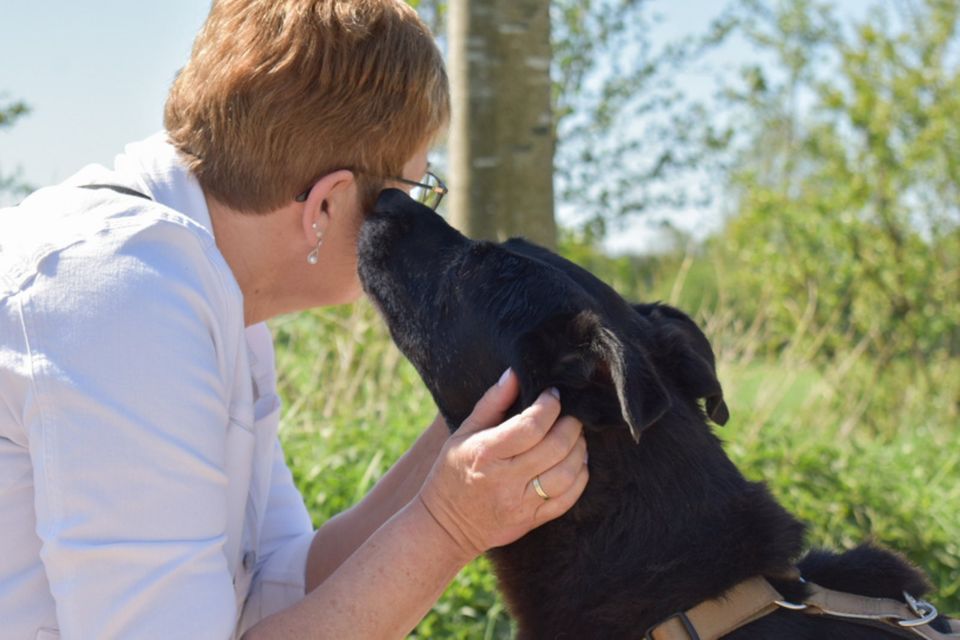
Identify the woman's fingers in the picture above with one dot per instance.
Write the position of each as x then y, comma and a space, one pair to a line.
526, 430
558, 505
553, 448
492, 406
563, 476
522, 432
480, 489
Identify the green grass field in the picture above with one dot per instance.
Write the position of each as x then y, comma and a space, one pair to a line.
857, 453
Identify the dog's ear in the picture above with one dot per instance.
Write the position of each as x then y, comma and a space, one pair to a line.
603, 380
686, 355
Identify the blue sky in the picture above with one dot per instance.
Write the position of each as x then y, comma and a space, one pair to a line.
96, 74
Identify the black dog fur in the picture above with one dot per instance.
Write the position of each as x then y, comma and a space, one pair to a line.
667, 520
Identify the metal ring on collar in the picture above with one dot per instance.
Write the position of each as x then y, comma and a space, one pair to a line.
926, 611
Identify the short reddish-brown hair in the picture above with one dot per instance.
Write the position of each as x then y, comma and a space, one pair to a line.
278, 93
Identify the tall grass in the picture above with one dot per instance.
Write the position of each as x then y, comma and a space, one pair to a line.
857, 451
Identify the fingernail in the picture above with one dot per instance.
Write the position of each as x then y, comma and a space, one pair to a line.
503, 377
554, 392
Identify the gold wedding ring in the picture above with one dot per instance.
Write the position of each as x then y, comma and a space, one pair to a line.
539, 488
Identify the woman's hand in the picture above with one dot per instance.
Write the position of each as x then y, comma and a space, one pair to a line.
478, 494
480, 491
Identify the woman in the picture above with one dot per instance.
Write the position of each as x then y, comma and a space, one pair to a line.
143, 492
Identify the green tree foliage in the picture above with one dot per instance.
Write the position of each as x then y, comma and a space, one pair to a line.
626, 133
847, 193
10, 112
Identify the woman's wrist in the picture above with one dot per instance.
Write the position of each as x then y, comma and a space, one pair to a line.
446, 544
435, 435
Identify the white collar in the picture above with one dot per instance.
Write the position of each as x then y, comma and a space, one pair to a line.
159, 172
153, 167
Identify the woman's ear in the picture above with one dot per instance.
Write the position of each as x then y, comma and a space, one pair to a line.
329, 196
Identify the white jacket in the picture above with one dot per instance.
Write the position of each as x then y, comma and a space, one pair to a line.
143, 492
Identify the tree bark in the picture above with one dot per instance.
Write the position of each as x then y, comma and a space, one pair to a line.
501, 137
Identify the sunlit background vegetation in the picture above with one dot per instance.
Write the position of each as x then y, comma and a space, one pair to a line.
828, 278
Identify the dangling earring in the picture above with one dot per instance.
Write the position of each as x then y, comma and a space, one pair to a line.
314, 256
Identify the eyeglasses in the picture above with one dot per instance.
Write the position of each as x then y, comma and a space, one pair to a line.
429, 192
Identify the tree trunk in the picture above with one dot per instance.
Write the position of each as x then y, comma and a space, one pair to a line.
501, 138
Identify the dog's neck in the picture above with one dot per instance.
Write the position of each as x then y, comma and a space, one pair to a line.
662, 525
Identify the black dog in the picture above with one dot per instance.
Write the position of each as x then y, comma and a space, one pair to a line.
667, 520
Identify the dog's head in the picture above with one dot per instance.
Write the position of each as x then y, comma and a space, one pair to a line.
463, 311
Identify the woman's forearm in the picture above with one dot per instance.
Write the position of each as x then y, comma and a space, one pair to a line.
476, 495
382, 590
341, 535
